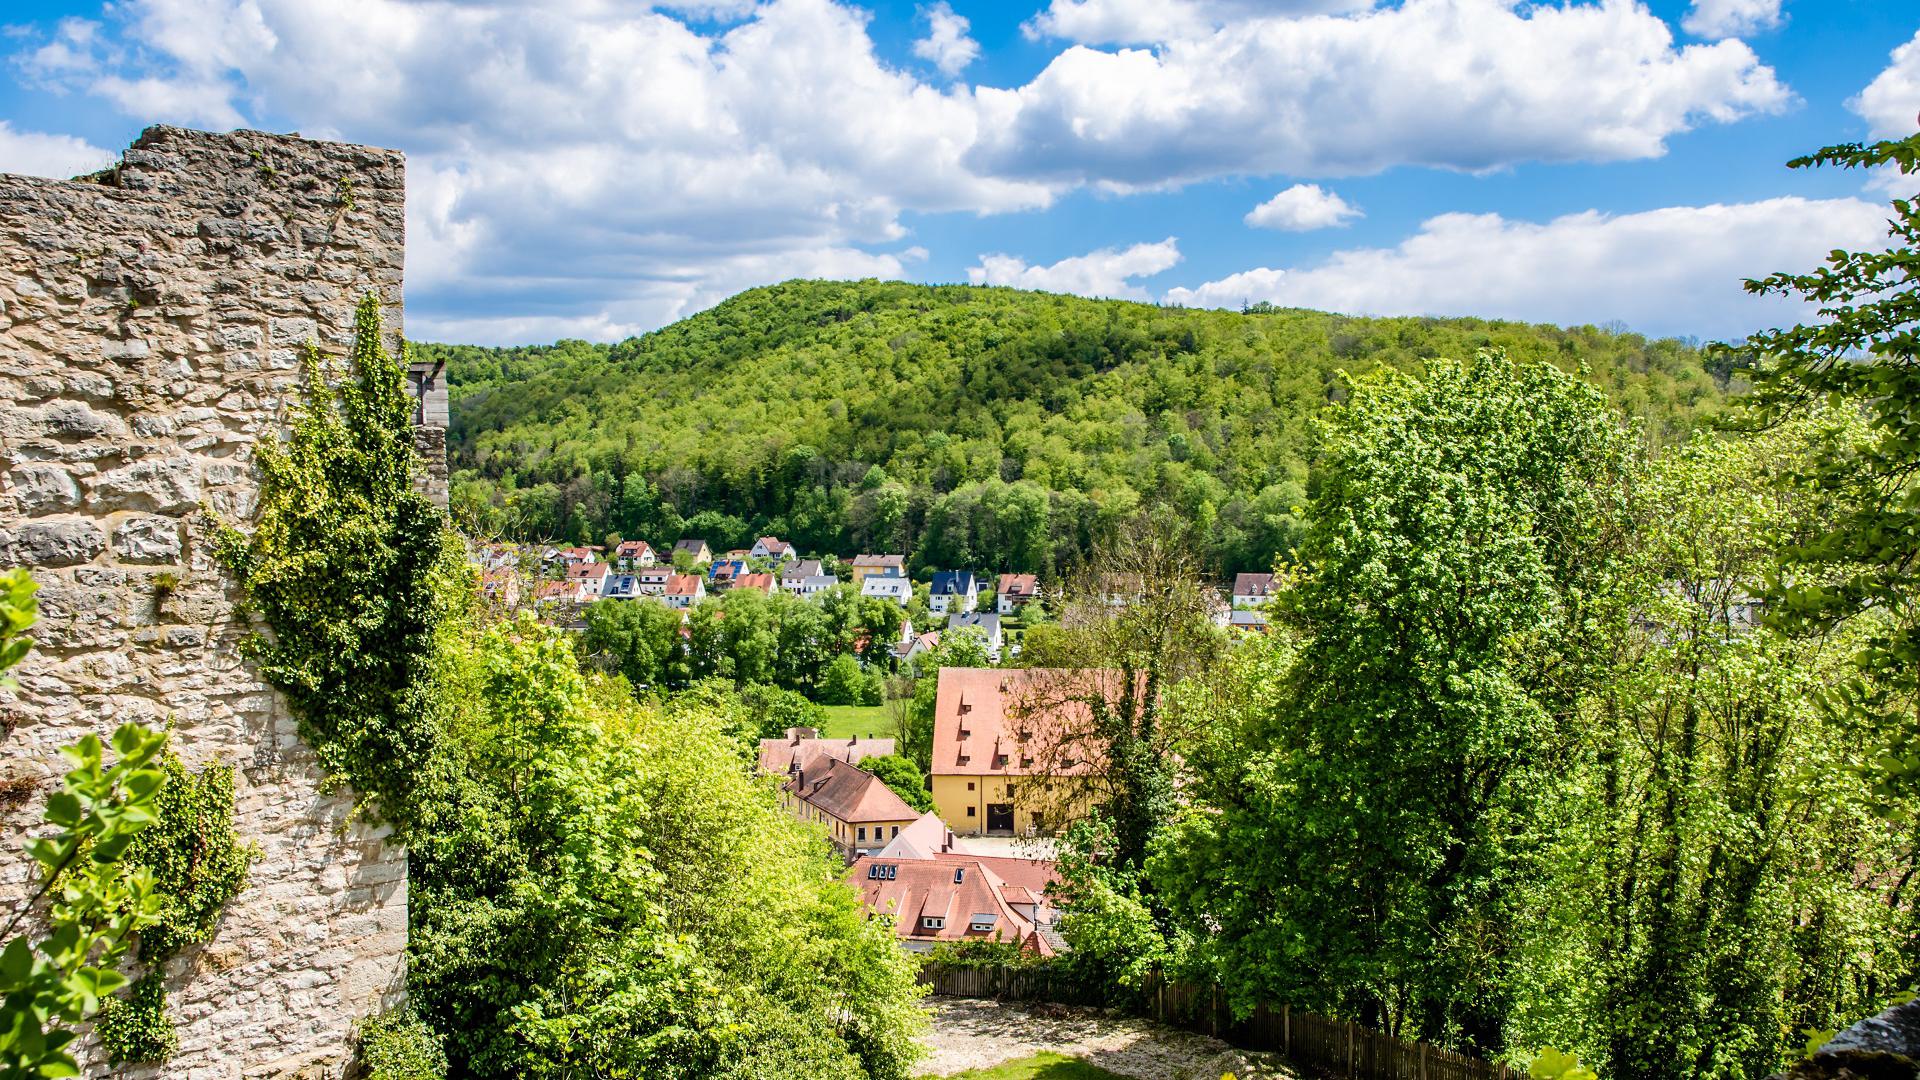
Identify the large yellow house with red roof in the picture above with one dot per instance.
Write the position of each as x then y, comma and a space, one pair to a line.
1004, 761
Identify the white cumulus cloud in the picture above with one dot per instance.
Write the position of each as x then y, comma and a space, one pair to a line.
1132, 22
1718, 19
611, 163
1891, 102
1301, 208
1109, 272
33, 153
1463, 84
946, 45
1676, 270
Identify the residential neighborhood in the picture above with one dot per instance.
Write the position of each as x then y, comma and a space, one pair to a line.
1001, 767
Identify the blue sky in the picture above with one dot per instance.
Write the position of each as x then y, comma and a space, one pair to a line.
596, 168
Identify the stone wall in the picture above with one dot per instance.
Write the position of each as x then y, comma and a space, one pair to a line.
151, 322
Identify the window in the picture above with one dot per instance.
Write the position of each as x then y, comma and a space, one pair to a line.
933, 922
970, 811
863, 834
969, 785
982, 925
881, 871
896, 830
873, 872
999, 761
959, 875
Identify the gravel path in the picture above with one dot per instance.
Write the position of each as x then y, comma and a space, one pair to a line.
973, 1034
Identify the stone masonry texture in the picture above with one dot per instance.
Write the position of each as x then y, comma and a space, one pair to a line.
152, 322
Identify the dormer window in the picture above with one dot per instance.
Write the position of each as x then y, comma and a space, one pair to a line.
981, 925
933, 922
959, 875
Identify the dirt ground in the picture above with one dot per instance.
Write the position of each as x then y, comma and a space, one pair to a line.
972, 1034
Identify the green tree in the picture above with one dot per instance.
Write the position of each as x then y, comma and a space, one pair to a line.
1861, 561
639, 639
1455, 600
904, 777
841, 682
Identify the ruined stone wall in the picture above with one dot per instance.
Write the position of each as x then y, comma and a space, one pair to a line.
151, 320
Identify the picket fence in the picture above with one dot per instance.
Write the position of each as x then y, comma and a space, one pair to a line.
1338, 1048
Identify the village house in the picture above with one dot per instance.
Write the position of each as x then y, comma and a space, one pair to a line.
1003, 750
554, 592
774, 548
781, 756
652, 580
497, 557
762, 583
1247, 621
621, 587
866, 566
1017, 591
911, 644
587, 579
560, 560
697, 549
501, 587
723, 571
934, 892
1251, 590
633, 554
953, 590
685, 590
887, 587
861, 812
812, 586
798, 570
987, 623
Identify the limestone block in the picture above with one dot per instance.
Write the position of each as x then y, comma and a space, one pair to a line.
62, 542
147, 540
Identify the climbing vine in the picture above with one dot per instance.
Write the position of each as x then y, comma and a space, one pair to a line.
354, 572
198, 865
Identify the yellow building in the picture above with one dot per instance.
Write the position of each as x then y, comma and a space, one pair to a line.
860, 812
1002, 763
865, 566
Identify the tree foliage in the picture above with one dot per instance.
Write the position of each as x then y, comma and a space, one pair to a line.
975, 428
904, 777
1861, 561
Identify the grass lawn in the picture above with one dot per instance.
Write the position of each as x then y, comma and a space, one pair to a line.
1042, 1066
846, 721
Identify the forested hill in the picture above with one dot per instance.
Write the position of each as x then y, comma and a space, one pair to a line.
974, 427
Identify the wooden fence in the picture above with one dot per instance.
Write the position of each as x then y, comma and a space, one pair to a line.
1338, 1048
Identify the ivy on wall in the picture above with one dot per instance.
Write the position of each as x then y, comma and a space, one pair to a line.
198, 865
354, 572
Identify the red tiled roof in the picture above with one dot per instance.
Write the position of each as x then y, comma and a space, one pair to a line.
587, 571
974, 733
845, 792
914, 890
683, 585
880, 560
776, 755
1018, 584
763, 582
1252, 584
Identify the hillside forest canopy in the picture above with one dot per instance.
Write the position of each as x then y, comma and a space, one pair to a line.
969, 427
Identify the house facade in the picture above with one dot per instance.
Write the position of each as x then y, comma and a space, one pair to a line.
865, 566
632, 554
953, 590
1016, 591
888, 587
859, 811
698, 549
588, 580
1003, 761
1251, 590
772, 547
685, 590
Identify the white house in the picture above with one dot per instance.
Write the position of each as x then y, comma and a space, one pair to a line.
988, 623
621, 587
897, 589
1016, 591
772, 547
953, 590
685, 590
1251, 590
